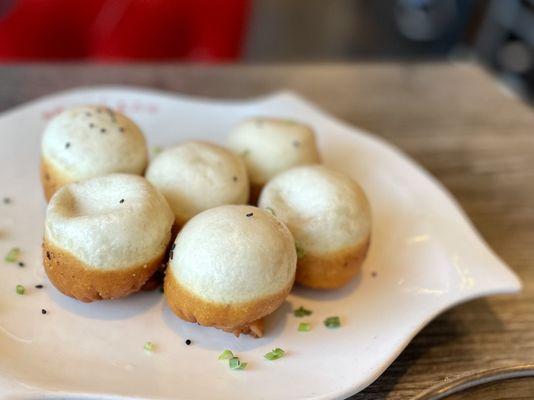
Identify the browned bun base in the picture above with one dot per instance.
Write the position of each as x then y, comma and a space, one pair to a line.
254, 195
75, 279
331, 271
51, 179
156, 280
235, 318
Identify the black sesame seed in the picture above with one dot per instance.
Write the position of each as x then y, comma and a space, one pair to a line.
296, 143
250, 214
48, 255
91, 125
6, 200
235, 178
88, 114
374, 274
121, 129
171, 254
43, 311
21, 264
67, 145
173, 246
188, 342
122, 201
103, 130
39, 286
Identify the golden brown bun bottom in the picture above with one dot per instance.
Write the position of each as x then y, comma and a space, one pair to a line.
238, 318
332, 271
75, 279
51, 179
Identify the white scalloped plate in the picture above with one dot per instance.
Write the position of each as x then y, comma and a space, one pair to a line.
425, 257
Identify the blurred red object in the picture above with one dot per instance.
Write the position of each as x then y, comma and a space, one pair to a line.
197, 30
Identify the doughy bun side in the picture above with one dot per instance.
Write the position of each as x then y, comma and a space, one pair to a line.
330, 219
270, 146
110, 222
89, 141
234, 254
196, 176
230, 267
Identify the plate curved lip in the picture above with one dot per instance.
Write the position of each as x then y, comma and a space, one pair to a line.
131, 89
423, 323
511, 284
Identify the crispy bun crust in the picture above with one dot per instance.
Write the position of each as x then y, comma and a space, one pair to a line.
333, 270
51, 179
236, 318
75, 279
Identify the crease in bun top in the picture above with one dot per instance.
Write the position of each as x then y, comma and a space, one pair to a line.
106, 236
89, 141
270, 146
329, 216
230, 267
195, 176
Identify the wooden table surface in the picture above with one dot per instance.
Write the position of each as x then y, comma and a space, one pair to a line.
454, 119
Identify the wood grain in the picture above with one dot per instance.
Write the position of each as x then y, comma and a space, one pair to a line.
454, 119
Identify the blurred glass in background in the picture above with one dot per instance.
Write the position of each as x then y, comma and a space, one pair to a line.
499, 33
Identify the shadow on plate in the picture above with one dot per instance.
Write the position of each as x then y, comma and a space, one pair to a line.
216, 339
108, 310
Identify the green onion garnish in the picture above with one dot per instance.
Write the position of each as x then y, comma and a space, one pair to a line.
235, 363
270, 210
302, 312
20, 289
275, 354
149, 346
332, 322
13, 255
226, 355
300, 251
304, 327
156, 150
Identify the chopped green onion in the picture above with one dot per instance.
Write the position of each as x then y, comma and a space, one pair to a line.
226, 355
300, 251
20, 289
304, 327
270, 210
156, 150
149, 346
13, 255
302, 312
235, 363
332, 322
275, 354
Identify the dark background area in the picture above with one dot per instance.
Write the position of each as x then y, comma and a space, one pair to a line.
498, 33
